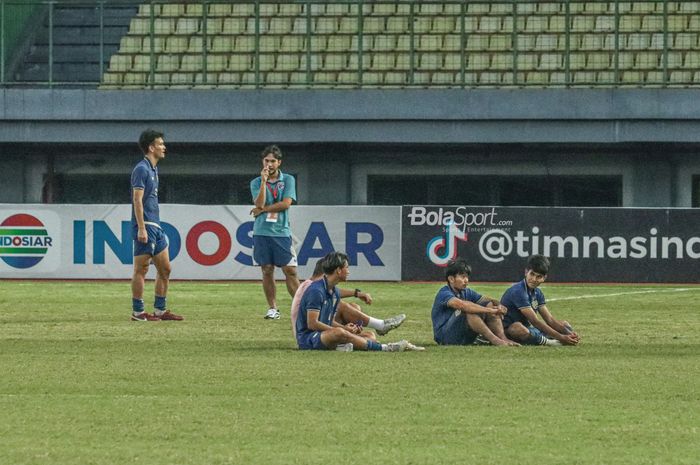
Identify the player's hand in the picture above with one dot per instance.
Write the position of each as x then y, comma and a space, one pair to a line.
365, 297
568, 339
264, 174
498, 310
353, 328
142, 235
256, 212
511, 343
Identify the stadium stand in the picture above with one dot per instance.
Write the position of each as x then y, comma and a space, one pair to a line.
405, 44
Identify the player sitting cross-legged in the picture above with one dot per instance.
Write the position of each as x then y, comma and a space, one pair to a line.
317, 327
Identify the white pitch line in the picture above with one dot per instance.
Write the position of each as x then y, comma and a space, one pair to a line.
651, 291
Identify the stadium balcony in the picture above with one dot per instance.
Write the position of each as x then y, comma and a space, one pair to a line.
354, 44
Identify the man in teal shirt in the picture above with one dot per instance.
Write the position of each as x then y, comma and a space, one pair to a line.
273, 193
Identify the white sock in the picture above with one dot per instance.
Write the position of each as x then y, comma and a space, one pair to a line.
385, 347
375, 323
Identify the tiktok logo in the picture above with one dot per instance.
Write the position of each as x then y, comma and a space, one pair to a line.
448, 245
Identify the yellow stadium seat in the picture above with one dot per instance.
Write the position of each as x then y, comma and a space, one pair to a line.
527, 61
177, 44
545, 42
686, 41
194, 9
692, 60
633, 77
268, 10
337, 9
112, 79
210, 82
340, 43
343, 78
277, 79
347, 25
646, 60
654, 77
584, 77
694, 23
367, 42
242, 9
213, 26
684, 77
191, 63
505, 8
309, 62
577, 61
181, 80
430, 8
689, 7
217, 63
158, 44
289, 9
140, 26
500, 42
551, 61
452, 42
383, 61
240, 62
598, 60
625, 60
269, 43
384, 42
229, 78
471, 25
142, 63
557, 24
478, 61
172, 9
477, 42
478, 8
135, 79
430, 42
526, 42
645, 7
121, 63
421, 79
372, 79
300, 25
489, 78
266, 62
280, 25
130, 44
244, 44
675, 60
657, 41
403, 9
537, 78
604, 23
397, 24
526, 9
638, 41
444, 25
452, 61
583, 24
145, 9
677, 23
335, 62
403, 61
373, 25
403, 42
431, 61
490, 24
592, 42
536, 24
319, 43
596, 7
395, 78
299, 79
293, 43
442, 78
234, 26
219, 9
653, 23
222, 44
422, 24
167, 63
287, 62
196, 44
261, 23
630, 23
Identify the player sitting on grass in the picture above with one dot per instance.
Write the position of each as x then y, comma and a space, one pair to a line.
349, 310
525, 300
462, 316
317, 327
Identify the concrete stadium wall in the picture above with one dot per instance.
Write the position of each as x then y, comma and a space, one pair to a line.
648, 136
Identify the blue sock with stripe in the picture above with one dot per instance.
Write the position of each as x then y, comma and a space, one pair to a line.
159, 304
373, 345
137, 305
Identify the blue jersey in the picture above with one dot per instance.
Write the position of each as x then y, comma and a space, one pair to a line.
145, 178
274, 224
517, 297
442, 312
318, 297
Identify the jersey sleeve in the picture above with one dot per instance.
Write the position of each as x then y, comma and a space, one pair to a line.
540, 297
443, 296
312, 300
255, 188
290, 188
139, 177
520, 299
473, 296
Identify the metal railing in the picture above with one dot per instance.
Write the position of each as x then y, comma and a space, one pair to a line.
404, 43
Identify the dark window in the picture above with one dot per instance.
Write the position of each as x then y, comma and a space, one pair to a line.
93, 188
565, 191
696, 192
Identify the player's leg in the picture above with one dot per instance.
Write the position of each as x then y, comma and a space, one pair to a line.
264, 257
495, 324
478, 325
286, 258
291, 279
350, 312
528, 335
269, 288
333, 337
138, 279
163, 269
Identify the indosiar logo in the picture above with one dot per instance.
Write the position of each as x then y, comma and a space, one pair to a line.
24, 241
443, 249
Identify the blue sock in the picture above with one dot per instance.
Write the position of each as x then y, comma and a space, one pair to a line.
373, 345
536, 340
137, 305
160, 303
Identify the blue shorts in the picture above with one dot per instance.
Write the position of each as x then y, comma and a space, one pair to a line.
157, 241
310, 340
278, 251
456, 331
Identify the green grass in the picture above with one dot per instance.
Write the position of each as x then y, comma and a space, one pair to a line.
80, 384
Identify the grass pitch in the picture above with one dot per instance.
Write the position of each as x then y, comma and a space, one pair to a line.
81, 384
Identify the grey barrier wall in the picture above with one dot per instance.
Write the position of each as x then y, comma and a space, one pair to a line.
584, 244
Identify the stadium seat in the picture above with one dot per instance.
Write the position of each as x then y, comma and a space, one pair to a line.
546, 42
384, 43
191, 63
121, 63
422, 24
142, 63
234, 26
130, 44
261, 25
367, 42
646, 60
187, 26
692, 60
444, 25
397, 24
430, 42
176, 44
217, 63
338, 43
452, 42
373, 25
194, 9
535, 24
167, 63
172, 9
280, 25
287, 62
452, 62
244, 43
638, 41
241, 62
383, 61
551, 61
478, 61
395, 79
500, 42
158, 44
220, 9
686, 41
269, 43
242, 9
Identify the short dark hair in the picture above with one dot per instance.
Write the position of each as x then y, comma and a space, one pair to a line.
146, 139
271, 149
318, 269
457, 266
333, 261
538, 264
